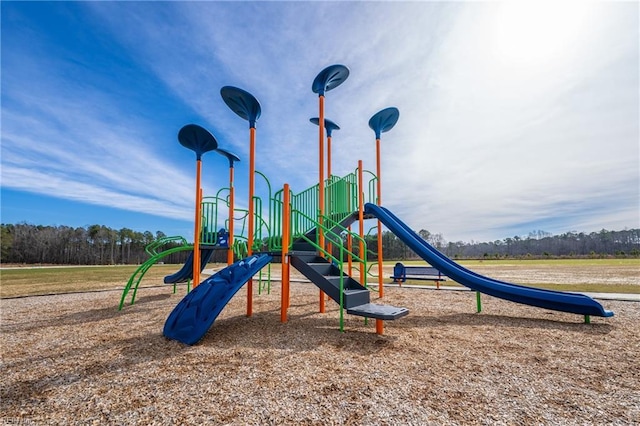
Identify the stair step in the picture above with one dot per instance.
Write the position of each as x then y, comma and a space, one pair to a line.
383, 312
353, 298
324, 269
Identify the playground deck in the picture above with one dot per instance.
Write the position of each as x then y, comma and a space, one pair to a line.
74, 358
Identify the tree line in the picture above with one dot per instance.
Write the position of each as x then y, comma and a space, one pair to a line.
101, 245
94, 245
604, 243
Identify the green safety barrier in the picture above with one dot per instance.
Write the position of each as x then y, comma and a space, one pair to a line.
341, 195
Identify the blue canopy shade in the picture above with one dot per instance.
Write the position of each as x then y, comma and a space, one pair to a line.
242, 103
328, 124
197, 139
384, 120
329, 78
230, 156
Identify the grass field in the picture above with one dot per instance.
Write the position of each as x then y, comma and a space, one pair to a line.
545, 262
582, 275
27, 281
592, 275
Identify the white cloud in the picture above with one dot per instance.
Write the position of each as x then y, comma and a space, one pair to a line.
509, 116
77, 145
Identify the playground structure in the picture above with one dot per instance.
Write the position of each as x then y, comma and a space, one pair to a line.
311, 231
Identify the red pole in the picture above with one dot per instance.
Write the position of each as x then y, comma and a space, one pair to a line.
196, 233
252, 148
231, 209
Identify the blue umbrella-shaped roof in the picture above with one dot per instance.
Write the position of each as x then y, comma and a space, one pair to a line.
242, 103
229, 155
384, 120
329, 78
328, 124
197, 139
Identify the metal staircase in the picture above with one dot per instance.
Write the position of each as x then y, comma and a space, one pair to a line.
354, 297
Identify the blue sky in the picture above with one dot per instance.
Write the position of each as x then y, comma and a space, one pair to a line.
514, 116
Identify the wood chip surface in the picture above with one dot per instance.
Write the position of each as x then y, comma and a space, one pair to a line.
75, 360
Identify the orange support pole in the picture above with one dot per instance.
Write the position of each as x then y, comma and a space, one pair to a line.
379, 182
379, 322
350, 250
329, 78
329, 201
321, 170
321, 185
200, 141
251, 230
349, 238
328, 157
245, 105
231, 208
361, 253
196, 233
286, 218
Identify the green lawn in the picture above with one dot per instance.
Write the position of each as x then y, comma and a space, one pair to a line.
528, 262
595, 274
34, 281
46, 280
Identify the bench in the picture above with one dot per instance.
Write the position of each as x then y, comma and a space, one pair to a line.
402, 273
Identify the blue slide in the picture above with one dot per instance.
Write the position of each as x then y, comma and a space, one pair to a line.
186, 272
548, 299
193, 316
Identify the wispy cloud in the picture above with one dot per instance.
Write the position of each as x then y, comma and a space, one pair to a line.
509, 117
71, 140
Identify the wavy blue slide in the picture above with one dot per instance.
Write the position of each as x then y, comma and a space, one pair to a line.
193, 316
548, 299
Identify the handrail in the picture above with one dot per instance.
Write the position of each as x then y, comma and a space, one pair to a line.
151, 248
209, 218
220, 190
337, 240
370, 251
142, 269
347, 231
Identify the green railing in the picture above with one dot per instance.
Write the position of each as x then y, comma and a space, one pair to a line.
306, 202
136, 277
210, 218
370, 251
336, 239
151, 249
341, 200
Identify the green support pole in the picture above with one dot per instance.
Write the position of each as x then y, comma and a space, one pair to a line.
587, 319
478, 302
